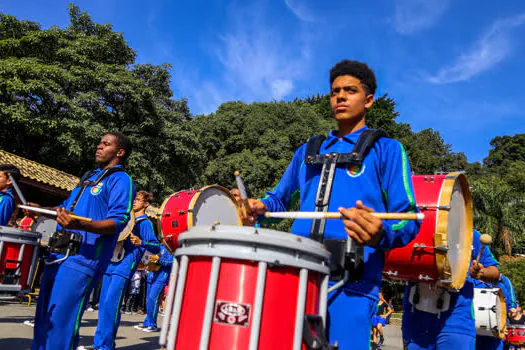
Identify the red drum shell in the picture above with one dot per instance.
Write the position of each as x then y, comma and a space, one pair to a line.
515, 335
18, 251
419, 261
187, 208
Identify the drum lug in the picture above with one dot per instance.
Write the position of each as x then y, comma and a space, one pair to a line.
444, 207
392, 273
445, 281
441, 248
182, 212
425, 277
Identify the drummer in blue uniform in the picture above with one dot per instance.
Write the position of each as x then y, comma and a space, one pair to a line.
119, 273
7, 197
105, 195
156, 281
453, 328
494, 343
382, 183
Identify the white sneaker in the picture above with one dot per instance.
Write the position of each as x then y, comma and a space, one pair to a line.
140, 327
30, 323
150, 329
90, 309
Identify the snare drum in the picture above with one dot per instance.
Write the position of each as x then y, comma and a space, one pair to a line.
490, 312
515, 335
188, 208
245, 288
440, 254
18, 254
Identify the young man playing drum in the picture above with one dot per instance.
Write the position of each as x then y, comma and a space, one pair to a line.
7, 198
453, 327
105, 195
381, 183
119, 273
494, 343
157, 280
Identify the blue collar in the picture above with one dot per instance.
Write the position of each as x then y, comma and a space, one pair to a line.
8, 192
141, 216
350, 138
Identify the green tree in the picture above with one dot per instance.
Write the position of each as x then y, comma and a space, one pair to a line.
61, 89
505, 150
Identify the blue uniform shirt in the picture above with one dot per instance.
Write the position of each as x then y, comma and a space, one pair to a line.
111, 199
162, 275
460, 316
133, 254
383, 183
506, 286
7, 206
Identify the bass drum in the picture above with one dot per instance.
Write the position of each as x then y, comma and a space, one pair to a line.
188, 208
46, 227
440, 254
490, 312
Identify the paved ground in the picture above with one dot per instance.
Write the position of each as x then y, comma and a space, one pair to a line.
15, 335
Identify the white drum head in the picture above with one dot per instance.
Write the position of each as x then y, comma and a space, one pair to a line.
45, 226
457, 228
214, 204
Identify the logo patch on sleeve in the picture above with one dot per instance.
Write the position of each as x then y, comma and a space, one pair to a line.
355, 170
95, 190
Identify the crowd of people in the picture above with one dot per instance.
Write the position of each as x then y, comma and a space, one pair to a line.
86, 259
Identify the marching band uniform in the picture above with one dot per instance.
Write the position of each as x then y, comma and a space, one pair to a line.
156, 282
451, 329
383, 182
66, 285
493, 343
116, 279
7, 206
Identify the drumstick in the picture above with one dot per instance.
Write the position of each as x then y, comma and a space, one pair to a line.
336, 215
53, 213
485, 240
242, 191
17, 189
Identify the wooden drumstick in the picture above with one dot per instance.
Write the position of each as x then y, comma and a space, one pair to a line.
242, 191
485, 240
53, 213
337, 215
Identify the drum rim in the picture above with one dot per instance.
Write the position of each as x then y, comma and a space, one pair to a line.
14, 232
220, 233
441, 233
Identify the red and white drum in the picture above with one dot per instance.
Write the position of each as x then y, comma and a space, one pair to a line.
441, 252
18, 254
515, 335
245, 288
490, 312
204, 206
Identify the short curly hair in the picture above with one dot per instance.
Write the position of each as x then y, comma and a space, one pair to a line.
356, 69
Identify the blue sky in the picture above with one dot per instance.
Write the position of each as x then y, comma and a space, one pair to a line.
453, 66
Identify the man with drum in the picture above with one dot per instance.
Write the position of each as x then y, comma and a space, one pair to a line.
156, 282
448, 320
484, 342
7, 198
119, 273
381, 182
105, 195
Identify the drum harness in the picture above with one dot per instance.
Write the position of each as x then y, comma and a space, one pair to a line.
68, 243
347, 257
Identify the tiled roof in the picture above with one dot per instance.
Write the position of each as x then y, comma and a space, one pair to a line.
39, 172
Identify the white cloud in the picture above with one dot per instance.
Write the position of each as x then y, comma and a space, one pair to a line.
493, 47
281, 88
412, 16
298, 8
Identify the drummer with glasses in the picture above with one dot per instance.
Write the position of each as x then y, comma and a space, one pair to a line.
448, 320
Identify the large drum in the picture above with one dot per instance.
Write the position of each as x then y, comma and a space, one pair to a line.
18, 254
490, 312
188, 208
441, 252
245, 288
515, 335
46, 227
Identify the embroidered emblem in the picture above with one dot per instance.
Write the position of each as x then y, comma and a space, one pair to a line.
355, 170
95, 190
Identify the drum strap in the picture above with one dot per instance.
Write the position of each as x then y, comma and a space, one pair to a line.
84, 182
